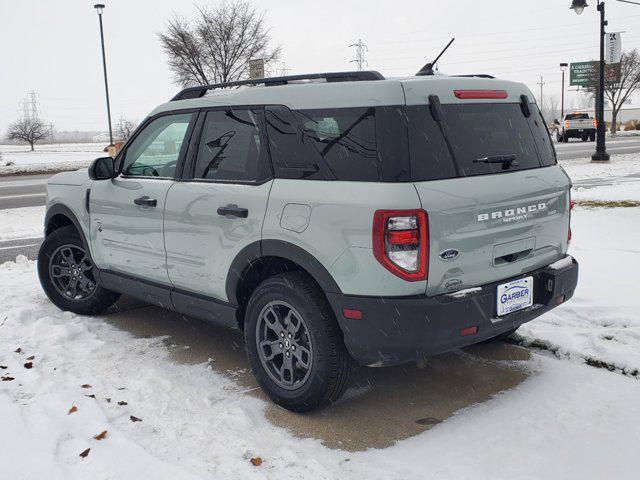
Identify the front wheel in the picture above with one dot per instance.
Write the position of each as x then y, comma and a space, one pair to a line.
67, 274
294, 343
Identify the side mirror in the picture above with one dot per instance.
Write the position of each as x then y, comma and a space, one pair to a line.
102, 169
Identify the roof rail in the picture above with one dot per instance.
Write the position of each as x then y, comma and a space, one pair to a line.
200, 91
478, 75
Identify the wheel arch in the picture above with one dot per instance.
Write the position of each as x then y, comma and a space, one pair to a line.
265, 258
59, 216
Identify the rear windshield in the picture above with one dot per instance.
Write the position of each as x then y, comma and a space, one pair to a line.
471, 139
577, 116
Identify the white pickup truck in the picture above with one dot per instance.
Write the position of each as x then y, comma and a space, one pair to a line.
576, 125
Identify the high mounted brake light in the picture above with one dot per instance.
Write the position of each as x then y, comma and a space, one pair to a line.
401, 242
480, 94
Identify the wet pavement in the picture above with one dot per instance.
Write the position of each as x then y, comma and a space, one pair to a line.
380, 407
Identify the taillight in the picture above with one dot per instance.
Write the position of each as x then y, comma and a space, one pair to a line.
566, 125
401, 242
477, 94
595, 123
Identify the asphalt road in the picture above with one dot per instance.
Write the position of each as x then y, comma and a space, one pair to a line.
576, 148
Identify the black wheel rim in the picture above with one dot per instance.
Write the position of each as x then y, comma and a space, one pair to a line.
284, 345
71, 273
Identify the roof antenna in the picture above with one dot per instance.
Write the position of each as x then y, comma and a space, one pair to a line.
428, 68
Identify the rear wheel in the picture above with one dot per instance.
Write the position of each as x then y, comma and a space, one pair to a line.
559, 137
592, 137
585, 137
565, 138
294, 343
67, 274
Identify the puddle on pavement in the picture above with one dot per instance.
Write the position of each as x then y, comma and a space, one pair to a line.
381, 406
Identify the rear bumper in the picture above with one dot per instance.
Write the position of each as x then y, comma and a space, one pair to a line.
396, 330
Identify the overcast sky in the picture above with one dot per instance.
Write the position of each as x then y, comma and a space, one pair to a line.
53, 46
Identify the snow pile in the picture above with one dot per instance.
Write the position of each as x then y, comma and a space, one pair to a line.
27, 222
601, 323
585, 169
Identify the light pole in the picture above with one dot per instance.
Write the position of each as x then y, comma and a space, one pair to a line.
601, 154
563, 67
99, 7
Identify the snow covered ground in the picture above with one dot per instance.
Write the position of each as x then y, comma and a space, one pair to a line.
567, 420
49, 157
18, 223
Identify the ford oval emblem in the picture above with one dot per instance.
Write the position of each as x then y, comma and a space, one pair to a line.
449, 254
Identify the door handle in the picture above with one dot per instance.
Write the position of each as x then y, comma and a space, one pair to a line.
146, 201
233, 210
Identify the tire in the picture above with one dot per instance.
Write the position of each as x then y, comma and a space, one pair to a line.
565, 138
592, 137
585, 137
89, 298
500, 337
558, 137
295, 388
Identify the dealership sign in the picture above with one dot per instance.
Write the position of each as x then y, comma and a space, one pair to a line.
583, 74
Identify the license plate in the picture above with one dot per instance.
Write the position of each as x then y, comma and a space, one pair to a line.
515, 295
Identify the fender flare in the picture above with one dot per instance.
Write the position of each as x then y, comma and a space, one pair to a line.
61, 209
277, 248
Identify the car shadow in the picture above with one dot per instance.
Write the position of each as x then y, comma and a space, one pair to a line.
381, 406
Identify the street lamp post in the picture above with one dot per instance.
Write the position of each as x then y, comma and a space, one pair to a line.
601, 154
563, 67
99, 7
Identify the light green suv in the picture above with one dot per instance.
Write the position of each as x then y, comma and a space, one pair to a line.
331, 217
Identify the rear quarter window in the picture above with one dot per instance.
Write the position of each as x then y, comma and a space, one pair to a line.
323, 144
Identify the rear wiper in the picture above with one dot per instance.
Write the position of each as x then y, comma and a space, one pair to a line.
507, 161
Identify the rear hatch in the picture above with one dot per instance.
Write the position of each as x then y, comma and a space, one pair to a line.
578, 121
486, 173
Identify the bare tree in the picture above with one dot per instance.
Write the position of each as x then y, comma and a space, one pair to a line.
30, 130
618, 91
218, 44
124, 129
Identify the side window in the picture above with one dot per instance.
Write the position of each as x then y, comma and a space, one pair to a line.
155, 151
327, 144
345, 138
292, 155
229, 146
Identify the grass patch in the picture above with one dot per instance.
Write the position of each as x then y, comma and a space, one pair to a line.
607, 203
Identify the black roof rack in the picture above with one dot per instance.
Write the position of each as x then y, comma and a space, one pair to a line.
478, 75
200, 91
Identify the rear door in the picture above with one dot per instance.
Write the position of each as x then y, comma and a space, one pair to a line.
488, 221
219, 206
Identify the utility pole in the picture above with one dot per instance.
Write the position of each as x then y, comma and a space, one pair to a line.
32, 97
360, 49
542, 84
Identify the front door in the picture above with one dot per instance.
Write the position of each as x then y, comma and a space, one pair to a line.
127, 211
218, 208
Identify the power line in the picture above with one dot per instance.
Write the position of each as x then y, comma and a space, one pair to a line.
360, 49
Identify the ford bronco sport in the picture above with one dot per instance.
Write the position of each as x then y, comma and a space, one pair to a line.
330, 217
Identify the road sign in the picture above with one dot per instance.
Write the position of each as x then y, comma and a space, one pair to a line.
583, 74
256, 68
613, 47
